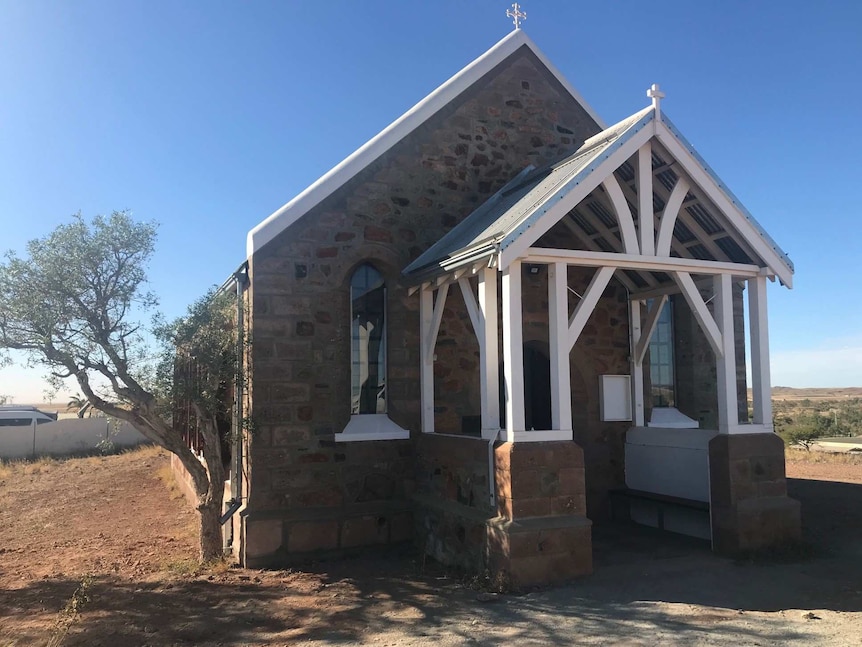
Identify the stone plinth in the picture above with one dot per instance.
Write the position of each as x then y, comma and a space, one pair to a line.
539, 551
748, 494
541, 535
539, 479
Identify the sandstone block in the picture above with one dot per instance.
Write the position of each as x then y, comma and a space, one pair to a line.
364, 531
309, 536
263, 537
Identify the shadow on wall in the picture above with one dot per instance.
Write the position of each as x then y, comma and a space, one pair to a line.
63, 437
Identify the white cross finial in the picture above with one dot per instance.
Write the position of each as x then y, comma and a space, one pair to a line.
516, 15
656, 95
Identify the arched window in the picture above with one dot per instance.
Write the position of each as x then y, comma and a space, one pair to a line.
367, 341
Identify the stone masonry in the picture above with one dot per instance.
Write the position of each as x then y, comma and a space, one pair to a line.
748, 494
541, 534
309, 496
307, 493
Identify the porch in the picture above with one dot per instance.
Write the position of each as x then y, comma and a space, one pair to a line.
634, 211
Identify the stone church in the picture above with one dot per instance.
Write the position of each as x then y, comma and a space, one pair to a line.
500, 321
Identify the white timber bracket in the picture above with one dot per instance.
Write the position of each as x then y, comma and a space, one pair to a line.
701, 312
588, 303
430, 316
648, 329
483, 317
624, 214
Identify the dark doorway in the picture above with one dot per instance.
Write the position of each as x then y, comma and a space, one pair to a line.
537, 387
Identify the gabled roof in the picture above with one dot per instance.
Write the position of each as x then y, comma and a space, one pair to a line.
518, 215
400, 128
727, 192
481, 232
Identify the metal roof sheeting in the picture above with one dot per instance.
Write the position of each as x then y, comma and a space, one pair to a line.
513, 205
711, 235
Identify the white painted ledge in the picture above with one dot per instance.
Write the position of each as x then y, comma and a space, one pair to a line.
373, 426
671, 418
750, 428
542, 435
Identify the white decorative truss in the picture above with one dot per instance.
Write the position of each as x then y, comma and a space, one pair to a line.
690, 236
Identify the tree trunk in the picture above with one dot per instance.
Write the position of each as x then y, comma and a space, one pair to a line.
212, 547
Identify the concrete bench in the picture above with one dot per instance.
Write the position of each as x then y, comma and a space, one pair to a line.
662, 502
667, 478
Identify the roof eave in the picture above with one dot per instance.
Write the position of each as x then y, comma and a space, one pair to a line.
396, 131
471, 256
781, 264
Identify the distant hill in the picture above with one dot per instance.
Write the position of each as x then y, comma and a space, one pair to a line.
790, 393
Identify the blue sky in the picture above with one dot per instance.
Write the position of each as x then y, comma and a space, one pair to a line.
208, 116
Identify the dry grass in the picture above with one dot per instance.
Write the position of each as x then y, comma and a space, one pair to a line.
186, 567
166, 475
41, 464
26, 467
832, 458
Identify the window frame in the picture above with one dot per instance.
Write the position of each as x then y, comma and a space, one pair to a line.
378, 425
384, 342
654, 363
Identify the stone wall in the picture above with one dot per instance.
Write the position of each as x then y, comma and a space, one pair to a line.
386, 215
453, 499
331, 498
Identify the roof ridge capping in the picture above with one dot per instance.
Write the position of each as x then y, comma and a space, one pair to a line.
397, 130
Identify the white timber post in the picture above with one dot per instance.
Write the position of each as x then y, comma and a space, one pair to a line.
638, 412
558, 323
513, 350
760, 378
426, 374
430, 316
728, 415
489, 370
646, 217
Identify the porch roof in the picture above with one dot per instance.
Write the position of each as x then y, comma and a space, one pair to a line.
704, 231
481, 232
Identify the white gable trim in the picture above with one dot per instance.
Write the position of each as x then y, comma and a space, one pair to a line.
567, 196
516, 244
396, 131
729, 206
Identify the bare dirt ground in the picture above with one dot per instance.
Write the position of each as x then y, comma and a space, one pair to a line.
113, 524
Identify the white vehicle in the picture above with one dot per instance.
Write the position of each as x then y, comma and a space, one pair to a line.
12, 415
18, 430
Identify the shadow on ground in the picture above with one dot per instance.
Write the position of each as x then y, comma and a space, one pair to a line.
385, 597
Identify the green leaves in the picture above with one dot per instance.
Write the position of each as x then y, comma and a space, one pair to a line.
69, 302
200, 360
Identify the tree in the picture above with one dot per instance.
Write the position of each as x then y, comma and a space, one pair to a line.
79, 404
74, 305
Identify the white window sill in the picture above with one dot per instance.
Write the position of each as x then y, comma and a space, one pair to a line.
376, 426
671, 418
